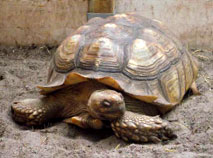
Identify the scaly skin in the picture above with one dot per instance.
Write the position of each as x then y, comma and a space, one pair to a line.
142, 128
86, 107
64, 103
35, 112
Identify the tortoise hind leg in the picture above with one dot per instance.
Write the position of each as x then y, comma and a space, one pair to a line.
194, 89
142, 128
33, 112
84, 120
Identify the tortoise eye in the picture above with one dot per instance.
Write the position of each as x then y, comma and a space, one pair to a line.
106, 103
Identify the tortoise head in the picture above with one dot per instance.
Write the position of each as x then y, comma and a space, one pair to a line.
106, 104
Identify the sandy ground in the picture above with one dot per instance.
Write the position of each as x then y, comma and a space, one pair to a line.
21, 69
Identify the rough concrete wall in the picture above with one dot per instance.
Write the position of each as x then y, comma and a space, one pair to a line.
26, 22
191, 20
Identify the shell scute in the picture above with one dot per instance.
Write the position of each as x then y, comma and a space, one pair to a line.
101, 54
65, 54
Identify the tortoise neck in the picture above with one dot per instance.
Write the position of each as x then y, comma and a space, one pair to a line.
74, 98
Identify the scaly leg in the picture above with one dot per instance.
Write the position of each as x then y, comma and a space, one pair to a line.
141, 128
35, 111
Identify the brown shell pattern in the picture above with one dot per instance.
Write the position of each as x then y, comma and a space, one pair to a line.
128, 52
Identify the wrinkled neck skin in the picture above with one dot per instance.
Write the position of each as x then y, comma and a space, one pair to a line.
74, 100
91, 97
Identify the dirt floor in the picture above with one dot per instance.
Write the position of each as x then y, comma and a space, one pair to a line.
21, 69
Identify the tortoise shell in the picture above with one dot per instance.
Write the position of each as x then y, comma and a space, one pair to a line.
128, 52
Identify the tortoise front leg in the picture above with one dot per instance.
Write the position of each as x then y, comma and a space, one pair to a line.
35, 112
141, 128
84, 120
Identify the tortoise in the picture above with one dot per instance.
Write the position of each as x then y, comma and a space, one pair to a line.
123, 71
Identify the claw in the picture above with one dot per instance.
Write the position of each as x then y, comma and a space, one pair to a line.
154, 139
